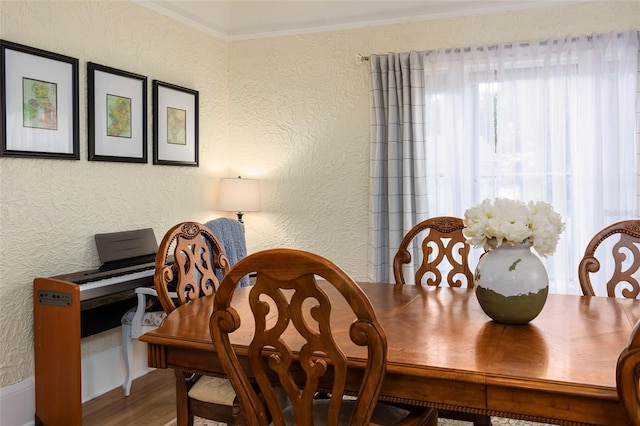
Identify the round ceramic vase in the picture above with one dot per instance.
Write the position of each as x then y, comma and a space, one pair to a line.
511, 284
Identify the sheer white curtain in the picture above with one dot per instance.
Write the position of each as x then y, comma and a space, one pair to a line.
552, 120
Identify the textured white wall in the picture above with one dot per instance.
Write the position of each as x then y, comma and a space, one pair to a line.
300, 114
290, 110
50, 209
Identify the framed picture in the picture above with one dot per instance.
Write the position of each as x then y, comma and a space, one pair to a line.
39, 104
175, 125
117, 115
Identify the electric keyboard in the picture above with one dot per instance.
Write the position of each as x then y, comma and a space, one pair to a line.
106, 293
70, 307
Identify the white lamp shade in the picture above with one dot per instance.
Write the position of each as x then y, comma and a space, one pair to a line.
239, 195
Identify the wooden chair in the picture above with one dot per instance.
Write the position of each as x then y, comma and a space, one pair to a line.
628, 377
148, 313
625, 251
187, 260
442, 246
292, 312
443, 249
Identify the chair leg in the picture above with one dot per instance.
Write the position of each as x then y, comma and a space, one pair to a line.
127, 351
432, 418
482, 420
238, 415
184, 416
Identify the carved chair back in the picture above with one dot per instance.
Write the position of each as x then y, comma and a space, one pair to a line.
443, 248
628, 377
624, 239
186, 264
293, 339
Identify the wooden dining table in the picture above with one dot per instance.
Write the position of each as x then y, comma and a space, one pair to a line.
444, 352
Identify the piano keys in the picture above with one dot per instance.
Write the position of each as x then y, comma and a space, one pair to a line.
80, 304
97, 286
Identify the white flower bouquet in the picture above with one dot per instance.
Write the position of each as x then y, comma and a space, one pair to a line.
494, 222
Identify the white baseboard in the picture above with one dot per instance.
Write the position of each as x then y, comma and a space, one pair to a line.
101, 372
105, 371
17, 404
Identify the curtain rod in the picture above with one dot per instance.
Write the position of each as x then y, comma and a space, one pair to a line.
360, 59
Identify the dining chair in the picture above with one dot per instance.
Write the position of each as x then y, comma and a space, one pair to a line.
294, 345
148, 313
618, 247
628, 377
443, 250
185, 269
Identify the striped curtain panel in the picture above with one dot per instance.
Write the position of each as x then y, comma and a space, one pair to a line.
398, 167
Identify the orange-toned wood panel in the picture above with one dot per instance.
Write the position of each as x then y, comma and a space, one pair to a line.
56, 319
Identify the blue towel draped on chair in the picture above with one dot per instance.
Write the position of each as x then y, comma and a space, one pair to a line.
230, 232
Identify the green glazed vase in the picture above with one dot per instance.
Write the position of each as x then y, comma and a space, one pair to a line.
511, 284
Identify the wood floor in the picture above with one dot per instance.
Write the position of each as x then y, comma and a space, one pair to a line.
151, 403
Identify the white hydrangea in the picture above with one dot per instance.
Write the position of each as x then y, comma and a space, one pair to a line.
494, 222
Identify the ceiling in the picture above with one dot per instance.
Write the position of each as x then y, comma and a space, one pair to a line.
244, 19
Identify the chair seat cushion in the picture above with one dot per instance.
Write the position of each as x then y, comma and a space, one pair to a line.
214, 390
153, 319
383, 413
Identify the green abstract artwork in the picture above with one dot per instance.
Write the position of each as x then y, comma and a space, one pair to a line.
39, 104
176, 126
118, 116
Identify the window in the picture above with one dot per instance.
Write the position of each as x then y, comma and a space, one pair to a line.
552, 121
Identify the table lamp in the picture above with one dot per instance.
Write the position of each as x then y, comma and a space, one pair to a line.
239, 195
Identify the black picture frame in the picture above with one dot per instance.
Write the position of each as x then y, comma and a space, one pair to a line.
175, 125
117, 114
39, 103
